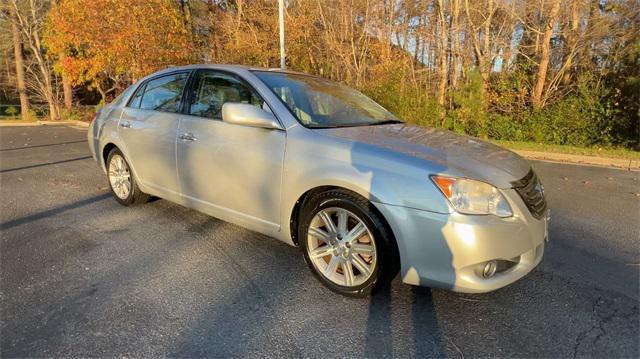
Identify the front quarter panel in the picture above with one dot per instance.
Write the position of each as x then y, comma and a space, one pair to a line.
313, 160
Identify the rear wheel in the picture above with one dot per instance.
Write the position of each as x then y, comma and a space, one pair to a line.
121, 181
347, 244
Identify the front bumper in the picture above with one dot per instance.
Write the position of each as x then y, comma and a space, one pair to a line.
450, 250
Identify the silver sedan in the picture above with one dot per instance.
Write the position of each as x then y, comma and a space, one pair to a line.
321, 166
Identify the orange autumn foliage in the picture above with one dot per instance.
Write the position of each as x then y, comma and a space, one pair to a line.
110, 43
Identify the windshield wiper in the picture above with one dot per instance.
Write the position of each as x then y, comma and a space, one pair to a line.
386, 122
322, 126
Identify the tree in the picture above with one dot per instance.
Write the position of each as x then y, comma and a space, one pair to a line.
472, 66
572, 41
110, 43
19, 61
486, 22
67, 88
442, 55
543, 65
28, 17
454, 34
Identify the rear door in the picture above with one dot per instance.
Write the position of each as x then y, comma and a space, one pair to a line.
230, 171
149, 126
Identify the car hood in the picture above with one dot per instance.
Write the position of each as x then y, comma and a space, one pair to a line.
454, 154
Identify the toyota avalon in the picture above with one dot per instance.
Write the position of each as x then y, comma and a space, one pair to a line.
321, 166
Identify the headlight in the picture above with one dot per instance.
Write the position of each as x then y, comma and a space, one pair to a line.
473, 197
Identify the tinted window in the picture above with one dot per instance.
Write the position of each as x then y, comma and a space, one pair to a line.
164, 93
211, 90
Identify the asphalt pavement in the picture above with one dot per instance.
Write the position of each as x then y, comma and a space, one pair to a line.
81, 276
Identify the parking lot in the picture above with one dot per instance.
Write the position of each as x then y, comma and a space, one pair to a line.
83, 276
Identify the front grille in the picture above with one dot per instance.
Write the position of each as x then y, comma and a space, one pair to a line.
530, 190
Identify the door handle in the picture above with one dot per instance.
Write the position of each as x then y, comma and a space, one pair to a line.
187, 137
125, 124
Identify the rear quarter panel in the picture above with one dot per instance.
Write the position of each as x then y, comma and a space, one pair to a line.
105, 132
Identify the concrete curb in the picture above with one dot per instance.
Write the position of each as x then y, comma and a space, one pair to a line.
45, 123
19, 124
632, 165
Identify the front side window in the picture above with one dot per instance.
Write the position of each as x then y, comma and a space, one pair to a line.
163, 93
319, 103
211, 90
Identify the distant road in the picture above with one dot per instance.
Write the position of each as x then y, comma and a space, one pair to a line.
82, 276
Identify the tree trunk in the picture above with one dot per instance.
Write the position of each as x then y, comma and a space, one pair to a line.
101, 91
67, 91
508, 52
28, 26
455, 43
19, 60
442, 57
239, 4
572, 39
45, 69
536, 97
481, 52
186, 14
211, 16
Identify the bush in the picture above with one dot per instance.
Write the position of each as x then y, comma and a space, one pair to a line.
502, 127
590, 115
469, 114
586, 117
396, 94
11, 111
78, 113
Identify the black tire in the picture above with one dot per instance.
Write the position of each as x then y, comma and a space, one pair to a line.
388, 259
136, 196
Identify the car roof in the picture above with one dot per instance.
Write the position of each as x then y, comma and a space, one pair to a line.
228, 67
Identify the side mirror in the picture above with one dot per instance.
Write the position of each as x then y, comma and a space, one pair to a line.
249, 115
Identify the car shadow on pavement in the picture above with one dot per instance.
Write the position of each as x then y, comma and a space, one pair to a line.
244, 312
383, 338
276, 306
53, 211
44, 164
425, 332
46, 145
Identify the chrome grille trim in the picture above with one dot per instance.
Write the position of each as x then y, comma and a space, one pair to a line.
530, 190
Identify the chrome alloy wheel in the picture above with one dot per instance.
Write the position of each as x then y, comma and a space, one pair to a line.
341, 247
119, 177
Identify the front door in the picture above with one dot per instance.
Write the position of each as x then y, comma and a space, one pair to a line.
149, 126
230, 171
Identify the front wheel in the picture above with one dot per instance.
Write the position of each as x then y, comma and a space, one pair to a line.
347, 244
121, 181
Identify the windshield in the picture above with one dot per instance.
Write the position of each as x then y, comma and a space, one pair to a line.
319, 103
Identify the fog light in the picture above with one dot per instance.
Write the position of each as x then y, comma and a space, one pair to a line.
490, 269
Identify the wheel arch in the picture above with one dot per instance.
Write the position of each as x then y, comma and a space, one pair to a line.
106, 150
105, 154
294, 216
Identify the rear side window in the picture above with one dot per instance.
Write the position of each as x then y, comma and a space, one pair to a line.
135, 101
161, 94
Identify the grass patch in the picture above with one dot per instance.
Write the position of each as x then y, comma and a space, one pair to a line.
14, 119
610, 152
